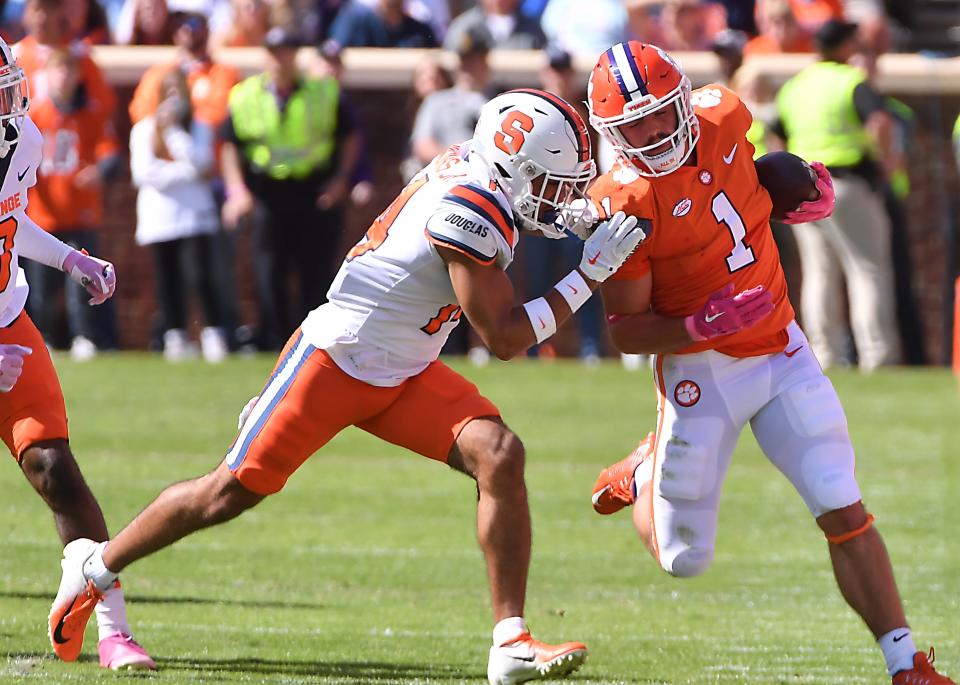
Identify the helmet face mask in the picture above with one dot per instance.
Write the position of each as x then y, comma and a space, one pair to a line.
14, 99
545, 206
633, 81
537, 149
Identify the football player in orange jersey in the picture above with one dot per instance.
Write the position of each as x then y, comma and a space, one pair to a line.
706, 294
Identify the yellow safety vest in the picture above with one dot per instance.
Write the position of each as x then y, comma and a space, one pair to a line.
817, 110
291, 144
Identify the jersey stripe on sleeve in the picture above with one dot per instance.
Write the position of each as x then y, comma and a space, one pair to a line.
486, 205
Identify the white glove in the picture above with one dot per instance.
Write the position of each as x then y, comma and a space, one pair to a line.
586, 215
608, 248
246, 411
11, 365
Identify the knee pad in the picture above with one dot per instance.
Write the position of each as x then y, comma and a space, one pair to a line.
688, 470
828, 473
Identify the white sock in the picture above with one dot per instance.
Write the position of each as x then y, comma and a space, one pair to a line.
898, 650
95, 570
508, 629
642, 476
112, 613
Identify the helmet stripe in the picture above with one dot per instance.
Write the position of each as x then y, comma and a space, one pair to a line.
570, 114
627, 70
615, 70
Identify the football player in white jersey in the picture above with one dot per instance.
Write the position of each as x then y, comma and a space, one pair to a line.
34, 420
369, 357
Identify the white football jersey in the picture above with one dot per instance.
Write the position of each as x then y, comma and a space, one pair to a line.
19, 172
392, 306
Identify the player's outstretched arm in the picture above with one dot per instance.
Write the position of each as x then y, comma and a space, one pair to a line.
486, 294
98, 277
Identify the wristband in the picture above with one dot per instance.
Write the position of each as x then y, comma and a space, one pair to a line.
574, 290
541, 318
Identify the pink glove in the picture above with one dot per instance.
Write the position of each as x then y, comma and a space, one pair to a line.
96, 275
724, 315
822, 207
11, 365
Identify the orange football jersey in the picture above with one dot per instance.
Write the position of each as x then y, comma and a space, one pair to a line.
71, 141
711, 227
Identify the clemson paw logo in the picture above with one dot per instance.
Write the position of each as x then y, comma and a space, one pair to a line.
706, 98
687, 393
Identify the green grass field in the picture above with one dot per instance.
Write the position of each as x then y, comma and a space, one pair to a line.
365, 568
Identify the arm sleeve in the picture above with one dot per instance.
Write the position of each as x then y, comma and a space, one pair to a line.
36, 244
867, 100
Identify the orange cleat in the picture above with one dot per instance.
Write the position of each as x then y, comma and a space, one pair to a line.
75, 602
614, 487
922, 673
525, 658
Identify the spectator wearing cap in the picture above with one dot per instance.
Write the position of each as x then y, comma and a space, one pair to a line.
385, 25
171, 162
289, 152
779, 31
847, 127
592, 33
449, 116
209, 83
728, 46
499, 24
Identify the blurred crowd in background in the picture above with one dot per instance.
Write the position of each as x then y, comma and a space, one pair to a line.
283, 154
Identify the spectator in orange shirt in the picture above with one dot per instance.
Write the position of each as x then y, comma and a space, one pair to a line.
209, 84
80, 153
209, 81
779, 31
48, 28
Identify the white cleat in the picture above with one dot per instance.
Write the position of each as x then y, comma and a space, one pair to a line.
525, 658
76, 599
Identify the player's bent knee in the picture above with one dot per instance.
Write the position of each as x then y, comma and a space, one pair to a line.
828, 472
689, 563
53, 472
223, 498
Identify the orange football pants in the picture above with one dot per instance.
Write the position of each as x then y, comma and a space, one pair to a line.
309, 399
33, 410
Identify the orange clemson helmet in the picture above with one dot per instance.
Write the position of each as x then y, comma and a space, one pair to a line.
633, 80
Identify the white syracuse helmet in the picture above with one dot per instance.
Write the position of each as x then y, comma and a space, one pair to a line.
537, 148
14, 98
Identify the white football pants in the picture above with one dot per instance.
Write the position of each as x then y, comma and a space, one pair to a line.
705, 400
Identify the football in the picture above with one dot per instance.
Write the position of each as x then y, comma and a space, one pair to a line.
788, 179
